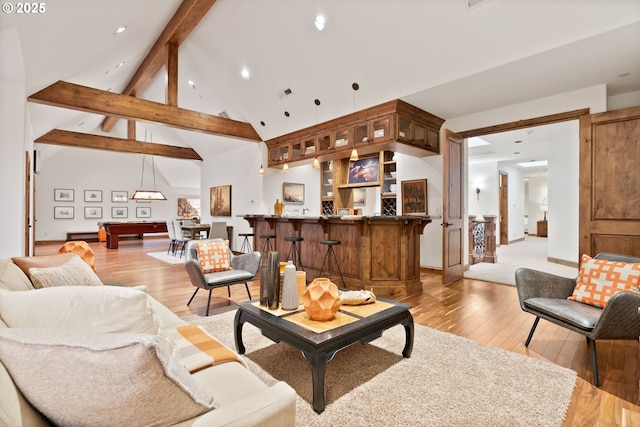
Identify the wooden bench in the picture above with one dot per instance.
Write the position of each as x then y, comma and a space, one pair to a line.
87, 236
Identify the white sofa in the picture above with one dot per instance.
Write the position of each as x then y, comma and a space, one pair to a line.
243, 399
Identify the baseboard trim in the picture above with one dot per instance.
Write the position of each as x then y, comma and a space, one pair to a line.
563, 262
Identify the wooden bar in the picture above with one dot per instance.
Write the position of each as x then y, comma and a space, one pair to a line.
115, 229
380, 253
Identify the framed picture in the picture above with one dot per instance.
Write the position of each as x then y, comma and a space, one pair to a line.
414, 197
188, 208
143, 212
92, 212
63, 195
119, 196
364, 171
359, 196
293, 193
220, 200
92, 195
63, 212
119, 212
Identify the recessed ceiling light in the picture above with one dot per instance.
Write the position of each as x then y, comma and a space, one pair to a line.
120, 65
192, 85
533, 163
517, 142
624, 74
319, 22
120, 30
245, 73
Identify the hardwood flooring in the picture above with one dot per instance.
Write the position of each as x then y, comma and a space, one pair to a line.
484, 312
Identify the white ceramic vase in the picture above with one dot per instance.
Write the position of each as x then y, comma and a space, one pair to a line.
290, 288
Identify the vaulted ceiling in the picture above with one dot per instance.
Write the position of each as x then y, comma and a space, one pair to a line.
439, 55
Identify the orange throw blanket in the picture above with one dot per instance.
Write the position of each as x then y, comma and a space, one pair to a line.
197, 350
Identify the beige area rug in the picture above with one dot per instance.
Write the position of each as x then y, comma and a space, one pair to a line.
530, 253
168, 258
447, 381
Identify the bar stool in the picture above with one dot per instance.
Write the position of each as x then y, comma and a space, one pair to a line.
266, 245
330, 244
294, 251
246, 244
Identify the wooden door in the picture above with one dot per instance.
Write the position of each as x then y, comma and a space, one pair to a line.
610, 182
504, 209
27, 206
452, 213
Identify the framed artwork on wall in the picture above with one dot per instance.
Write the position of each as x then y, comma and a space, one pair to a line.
63, 212
414, 197
364, 171
119, 212
293, 193
91, 212
63, 195
359, 196
220, 200
143, 212
188, 208
92, 195
119, 196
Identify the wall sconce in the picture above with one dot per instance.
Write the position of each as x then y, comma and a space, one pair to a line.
478, 193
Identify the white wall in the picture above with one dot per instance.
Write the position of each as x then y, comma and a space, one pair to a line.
82, 169
14, 144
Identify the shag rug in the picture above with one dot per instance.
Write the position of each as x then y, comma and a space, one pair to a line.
168, 258
447, 381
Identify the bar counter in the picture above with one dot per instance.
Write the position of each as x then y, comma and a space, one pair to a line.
379, 253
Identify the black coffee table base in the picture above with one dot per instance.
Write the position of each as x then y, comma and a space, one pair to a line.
320, 348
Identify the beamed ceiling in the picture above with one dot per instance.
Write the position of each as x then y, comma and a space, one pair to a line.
439, 55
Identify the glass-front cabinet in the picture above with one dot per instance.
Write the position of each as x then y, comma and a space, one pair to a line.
388, 193
327, 187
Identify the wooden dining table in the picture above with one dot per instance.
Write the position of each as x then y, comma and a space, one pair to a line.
195, 229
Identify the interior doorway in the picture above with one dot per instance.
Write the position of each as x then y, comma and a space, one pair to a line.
504, 208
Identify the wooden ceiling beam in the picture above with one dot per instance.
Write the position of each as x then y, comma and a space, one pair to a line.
83, 98
186, 18
83, 140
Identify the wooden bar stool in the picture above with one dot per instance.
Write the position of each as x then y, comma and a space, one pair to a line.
330, 244
294, 251
246, 243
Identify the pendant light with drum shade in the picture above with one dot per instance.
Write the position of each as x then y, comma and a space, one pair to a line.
316, 163
261, 171
148, 195
354, 152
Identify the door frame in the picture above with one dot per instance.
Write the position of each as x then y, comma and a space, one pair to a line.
520, 124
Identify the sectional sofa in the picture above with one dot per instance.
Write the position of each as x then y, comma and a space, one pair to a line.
102, 355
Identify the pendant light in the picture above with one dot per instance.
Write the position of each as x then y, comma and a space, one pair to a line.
148, 194
316, 162
285, 168
261, 171
354, 152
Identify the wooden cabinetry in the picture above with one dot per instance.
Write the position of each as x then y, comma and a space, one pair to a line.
389, 187
393, 126
542, 229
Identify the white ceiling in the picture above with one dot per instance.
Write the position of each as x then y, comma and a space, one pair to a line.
438, 55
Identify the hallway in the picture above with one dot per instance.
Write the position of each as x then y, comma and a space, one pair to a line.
530, 253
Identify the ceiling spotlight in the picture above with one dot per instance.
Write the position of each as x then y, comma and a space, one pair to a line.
319, 22
120, 30
192, 85
245, 73
120, 65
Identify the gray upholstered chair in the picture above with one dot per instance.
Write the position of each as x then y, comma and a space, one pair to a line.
545, 296
244, 269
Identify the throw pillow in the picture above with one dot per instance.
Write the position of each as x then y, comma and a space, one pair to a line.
74, 272
80, 379
41, 261
599, 279
99, 309
213, 256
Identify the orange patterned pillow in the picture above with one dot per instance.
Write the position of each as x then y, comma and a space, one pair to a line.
599, 279
213, 256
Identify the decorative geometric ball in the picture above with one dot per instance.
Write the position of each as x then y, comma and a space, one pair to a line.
81, 248
321, 299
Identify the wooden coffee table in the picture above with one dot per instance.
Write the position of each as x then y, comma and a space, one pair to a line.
319, 347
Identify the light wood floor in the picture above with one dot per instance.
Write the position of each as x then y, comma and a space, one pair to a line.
484, 312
